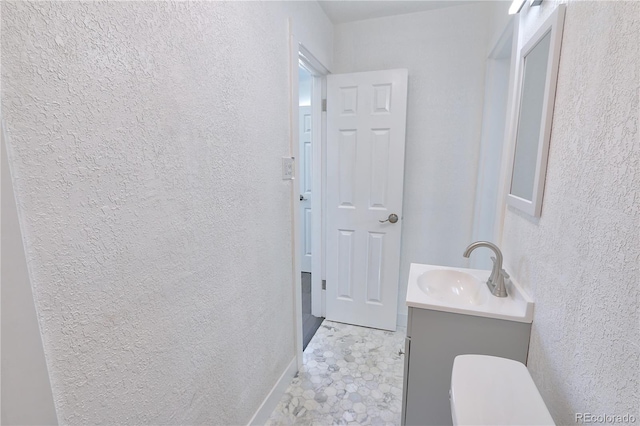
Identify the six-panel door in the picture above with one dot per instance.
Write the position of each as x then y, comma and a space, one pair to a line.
366, 117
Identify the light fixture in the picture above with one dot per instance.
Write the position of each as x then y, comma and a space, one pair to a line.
516, 6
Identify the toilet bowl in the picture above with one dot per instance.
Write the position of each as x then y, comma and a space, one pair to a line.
488, 390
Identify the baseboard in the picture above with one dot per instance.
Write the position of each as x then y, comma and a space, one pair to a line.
402, 320
271, 401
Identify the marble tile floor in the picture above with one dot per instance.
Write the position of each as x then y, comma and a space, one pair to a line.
350, 376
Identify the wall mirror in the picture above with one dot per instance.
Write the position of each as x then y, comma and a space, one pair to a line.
538, 68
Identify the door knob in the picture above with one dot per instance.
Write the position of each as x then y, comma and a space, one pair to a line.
393, 218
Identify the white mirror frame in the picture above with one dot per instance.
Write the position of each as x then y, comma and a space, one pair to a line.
554, 24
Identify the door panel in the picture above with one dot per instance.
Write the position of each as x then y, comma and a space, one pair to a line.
379, 167
347, 146
374, 267
345, 264
366, 117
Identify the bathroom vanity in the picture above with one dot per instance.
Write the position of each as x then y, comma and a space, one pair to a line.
452, 312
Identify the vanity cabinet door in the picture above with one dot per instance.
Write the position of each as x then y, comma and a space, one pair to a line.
407, 351
436, 339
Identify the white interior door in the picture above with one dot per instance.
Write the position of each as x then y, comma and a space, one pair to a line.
366, 118
306, 181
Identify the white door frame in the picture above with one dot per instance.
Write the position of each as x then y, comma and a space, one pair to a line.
299, 54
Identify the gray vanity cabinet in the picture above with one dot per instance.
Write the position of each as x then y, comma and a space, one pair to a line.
433, 340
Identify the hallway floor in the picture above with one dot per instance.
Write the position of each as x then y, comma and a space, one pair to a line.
310, 323
350, 375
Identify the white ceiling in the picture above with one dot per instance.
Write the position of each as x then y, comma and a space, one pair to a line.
340, 11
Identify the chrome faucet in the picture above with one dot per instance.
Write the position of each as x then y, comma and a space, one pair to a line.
498, 275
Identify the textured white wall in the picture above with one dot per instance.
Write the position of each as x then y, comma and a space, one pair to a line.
26, 391
445, 52
581, 260
146, 145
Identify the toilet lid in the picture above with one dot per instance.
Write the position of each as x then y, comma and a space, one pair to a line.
487, 390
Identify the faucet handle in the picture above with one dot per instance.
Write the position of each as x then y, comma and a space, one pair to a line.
500, 288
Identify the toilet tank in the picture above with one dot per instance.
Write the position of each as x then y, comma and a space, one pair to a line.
489, 390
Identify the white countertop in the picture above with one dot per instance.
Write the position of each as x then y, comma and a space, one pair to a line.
517, 306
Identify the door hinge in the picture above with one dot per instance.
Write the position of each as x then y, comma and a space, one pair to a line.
324, 284
324, 105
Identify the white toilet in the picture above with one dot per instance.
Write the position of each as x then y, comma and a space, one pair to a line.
488, 390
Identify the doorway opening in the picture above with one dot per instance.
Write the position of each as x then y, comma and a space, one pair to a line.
489, 203
310, 322
309, 151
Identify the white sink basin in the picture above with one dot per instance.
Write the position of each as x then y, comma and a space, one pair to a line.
453, 286
464, 291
